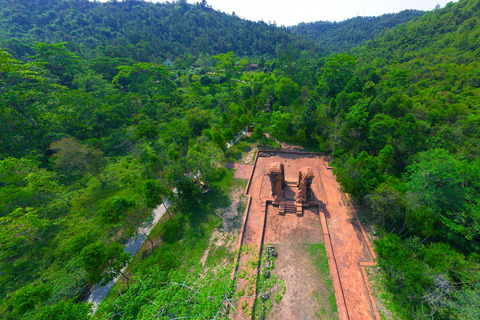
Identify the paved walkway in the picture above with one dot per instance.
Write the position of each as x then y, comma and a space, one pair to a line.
99, 293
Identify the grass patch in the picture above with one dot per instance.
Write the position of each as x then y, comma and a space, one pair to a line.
269, 284
383, 297
218, 255
238, 151
224, 179
319, 254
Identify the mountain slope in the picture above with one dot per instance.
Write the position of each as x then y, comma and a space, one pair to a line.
341, 36
138, 29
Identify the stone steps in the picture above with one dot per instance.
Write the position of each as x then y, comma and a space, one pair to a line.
289, 207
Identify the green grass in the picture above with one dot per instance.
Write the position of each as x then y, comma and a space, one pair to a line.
218, 255
273, 285
224, 180
319, 255
383, 297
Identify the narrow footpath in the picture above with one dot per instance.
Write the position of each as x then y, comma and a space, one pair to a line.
99, 293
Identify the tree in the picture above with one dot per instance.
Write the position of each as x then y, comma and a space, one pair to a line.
386, 158
155, 194
447, 189
226, 64
335, 128
336, 73
118, 209
74, 157
62, 63
20, 226
64, 310
388, 205
26, 298
382, 130
23, 95
279, 125
203, 159
192, 291
102, 263
44, 182
287, 91
358, 176
135, 219
300, 137
143, 77
423, 278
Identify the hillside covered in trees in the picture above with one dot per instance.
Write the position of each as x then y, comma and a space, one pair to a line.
144, 31
344, 35
96, 131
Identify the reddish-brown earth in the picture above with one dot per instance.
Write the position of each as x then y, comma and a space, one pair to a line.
348, 249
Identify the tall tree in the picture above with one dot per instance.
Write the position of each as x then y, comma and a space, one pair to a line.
74, 157
103, 262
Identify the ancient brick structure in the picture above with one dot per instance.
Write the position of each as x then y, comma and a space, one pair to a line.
305, 177
276, 173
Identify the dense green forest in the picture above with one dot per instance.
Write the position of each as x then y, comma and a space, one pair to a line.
144, 31
97, 129
344, 35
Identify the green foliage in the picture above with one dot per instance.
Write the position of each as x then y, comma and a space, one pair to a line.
341, 36
101, 262
446, 189
423, 277
387, 205
26, 298
64, 310
63, 64
155, 193
140, 30
287, 91
180, 293
359, 176
143, 104
118, 209
73, 157
279, 125
336, 73
19, 228
144, 78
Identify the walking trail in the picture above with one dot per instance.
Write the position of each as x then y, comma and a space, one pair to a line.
99, 292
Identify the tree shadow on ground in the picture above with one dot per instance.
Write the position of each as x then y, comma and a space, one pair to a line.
192, 215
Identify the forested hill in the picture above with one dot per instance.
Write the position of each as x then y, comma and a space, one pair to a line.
92, 140
449, 35
344, 35
411, 96
140, 30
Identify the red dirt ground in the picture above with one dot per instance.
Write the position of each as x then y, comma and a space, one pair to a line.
243, 171
346, 245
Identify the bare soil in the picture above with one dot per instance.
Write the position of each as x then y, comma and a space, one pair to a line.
306, 295
225, 239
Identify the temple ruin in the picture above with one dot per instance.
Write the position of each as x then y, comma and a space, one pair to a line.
305, 178
276, 173
290, 196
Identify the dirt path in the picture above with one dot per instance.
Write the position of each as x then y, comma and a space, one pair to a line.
349, 248
98, 293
